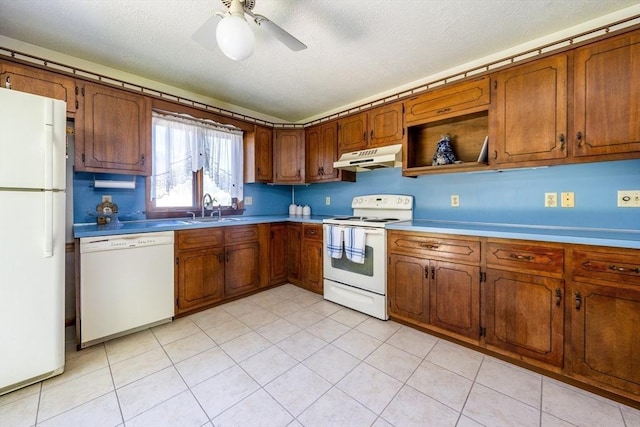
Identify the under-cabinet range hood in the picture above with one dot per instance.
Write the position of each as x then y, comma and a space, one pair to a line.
374, 158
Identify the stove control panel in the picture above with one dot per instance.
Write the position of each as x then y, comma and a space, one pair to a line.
383, 201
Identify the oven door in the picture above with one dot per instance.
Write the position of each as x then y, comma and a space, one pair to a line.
371, 275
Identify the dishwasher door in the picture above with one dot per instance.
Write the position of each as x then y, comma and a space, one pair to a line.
126, 284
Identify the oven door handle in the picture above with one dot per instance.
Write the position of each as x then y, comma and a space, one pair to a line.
367, 230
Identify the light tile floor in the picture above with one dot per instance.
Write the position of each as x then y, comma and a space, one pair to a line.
286, 357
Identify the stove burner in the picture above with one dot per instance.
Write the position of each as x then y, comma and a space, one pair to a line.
380, 219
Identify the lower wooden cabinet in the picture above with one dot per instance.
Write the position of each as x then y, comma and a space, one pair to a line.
294, 241
431, 289
571, 310
311, 258
604, 307
524, 315
278, 253
213, 264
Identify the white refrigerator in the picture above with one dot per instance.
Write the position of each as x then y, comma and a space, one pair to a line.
32, 238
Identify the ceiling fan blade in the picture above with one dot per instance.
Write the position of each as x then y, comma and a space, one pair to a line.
277, 32
206, 34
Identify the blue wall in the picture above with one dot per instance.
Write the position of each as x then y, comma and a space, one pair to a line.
511, 196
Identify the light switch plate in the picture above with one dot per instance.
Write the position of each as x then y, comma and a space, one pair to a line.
327, 200
248, 200
629, 198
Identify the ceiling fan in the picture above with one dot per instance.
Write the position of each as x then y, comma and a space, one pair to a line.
233, 35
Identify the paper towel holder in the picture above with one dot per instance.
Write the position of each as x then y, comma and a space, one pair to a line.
112, 183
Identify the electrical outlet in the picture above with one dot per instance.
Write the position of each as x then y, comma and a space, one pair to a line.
550, 200
248, 201
106, 198
629, 199
568, 199
327, 200
455, 200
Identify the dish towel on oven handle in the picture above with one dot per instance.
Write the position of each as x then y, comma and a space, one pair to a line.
334, 241
354, 244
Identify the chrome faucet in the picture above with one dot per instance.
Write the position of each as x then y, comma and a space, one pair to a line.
204, 202
219, 211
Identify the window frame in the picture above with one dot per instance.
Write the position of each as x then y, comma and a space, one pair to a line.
154, 212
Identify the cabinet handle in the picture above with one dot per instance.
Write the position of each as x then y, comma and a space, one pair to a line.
364, 135
259, 172
142, 159
558, 296
495, 154
7, 82
579, 139
444, 110
522, 257
227, 256
426, 272
313, 232
433, 273
371, 136
220, 258
578, 300
624, 269
561, 138
429, 246
298, 174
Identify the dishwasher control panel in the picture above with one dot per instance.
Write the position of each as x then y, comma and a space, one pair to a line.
125, 241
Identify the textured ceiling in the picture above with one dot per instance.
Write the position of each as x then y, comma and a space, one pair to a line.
356, 48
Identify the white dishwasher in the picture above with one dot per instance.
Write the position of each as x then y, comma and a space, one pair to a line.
126, 284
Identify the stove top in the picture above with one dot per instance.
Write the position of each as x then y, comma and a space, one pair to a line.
376, 211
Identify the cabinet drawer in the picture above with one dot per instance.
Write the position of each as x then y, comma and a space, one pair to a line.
525, 256
199, 238
240, 234
312, 231
621, 266
447, 101
434, 246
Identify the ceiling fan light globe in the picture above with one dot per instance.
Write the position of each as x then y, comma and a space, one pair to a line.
235, 38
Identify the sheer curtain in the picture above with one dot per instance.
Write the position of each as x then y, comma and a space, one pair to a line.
183, 145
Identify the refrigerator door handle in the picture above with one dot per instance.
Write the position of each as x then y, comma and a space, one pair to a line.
48, 224
48, 149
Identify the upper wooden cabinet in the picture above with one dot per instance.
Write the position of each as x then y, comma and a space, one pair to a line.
448, 102
321, 150
374, 128
38, 82
258, 155
606, 111
460, 111
528, 116
288, 156
113, 131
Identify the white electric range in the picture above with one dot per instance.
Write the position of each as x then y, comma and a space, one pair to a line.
355, 258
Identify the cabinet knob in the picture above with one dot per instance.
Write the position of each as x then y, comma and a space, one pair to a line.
429, 246
558, 296
522, 257
579, 139
561, 138
578, 300
7, 82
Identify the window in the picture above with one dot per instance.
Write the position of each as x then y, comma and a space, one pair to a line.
191, 158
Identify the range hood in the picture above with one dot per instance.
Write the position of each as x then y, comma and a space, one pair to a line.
374, 158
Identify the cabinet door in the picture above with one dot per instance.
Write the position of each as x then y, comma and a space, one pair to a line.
113, 132
606, 102
200, 277
258, 155
385, 125
312, 265
524, 315
289, 155
528, 119
455, 298
352, 133
39, 82
278, 254
408, 288
294, 241
241, 268
605, 335
313, 153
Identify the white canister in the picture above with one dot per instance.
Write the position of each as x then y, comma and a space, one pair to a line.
292, 209
306, 210
299, 210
